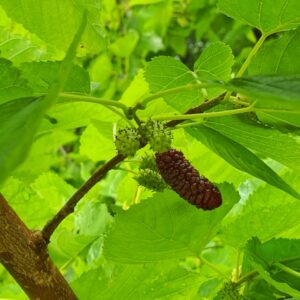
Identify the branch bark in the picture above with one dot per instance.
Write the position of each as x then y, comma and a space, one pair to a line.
68, 208
24, 254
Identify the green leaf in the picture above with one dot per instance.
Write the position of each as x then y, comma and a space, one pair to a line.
20, 118
148, 281
57, 22
265, 140
62, 115
12, 85
255, 254
268, 15
240, 157
124, 46
18, 48
40, 75
215, 62
165, 73
266, 214
277, 91
96, 142
19, 121
29, 200
277, 56
164, 227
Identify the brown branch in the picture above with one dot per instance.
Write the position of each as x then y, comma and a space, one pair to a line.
24, 254
198, 109
68, 208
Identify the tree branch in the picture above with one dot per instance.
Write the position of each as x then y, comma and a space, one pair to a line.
24, 254
68, 208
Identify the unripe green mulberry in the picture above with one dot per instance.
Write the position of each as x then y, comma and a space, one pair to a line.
229, 292
157, 135
151, 180
148, 162
127, 141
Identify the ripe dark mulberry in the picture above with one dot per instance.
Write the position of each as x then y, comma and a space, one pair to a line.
186, 180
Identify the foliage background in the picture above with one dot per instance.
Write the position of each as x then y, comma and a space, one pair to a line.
160, 248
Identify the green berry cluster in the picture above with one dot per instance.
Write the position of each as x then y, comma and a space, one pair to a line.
151, 180
229, 292
127, 141
148, 175
157, 135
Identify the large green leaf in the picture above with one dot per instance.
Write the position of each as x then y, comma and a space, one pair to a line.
96, 142
40, 75
277, 56
266, 214
271, 91
56, 22
20, 118
18, 48
240, 157
148, 281
215, 62
19, 121
262, 139
164, 227
12, 85
267, 15
47, 188
165, 73
255, 253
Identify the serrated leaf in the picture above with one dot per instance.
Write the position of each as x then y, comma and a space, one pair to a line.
262, 139
29, 200
12, 85
268, 15
239, 157
257, 259
18, 48
279, 91
266, 214
215, 62
164, 227
148, 281
165, 73
56, 22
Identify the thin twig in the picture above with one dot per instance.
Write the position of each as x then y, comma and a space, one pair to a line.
68, 208
199, 109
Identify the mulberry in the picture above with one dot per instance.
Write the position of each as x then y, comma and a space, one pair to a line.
229, 292
185, 180
148, 162
127, 141
158, 136
151, 180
